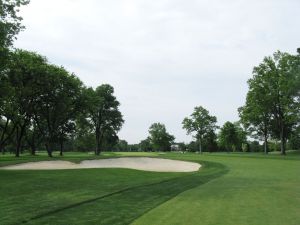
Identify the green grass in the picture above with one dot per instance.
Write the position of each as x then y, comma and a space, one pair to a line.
229, 189
256, 190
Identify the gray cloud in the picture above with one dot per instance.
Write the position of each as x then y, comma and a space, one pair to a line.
163, 57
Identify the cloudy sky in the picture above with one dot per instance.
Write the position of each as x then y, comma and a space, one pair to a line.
163, 57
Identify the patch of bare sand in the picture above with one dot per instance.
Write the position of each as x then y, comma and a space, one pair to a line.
138, 163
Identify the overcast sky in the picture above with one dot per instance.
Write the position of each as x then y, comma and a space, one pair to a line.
163, 57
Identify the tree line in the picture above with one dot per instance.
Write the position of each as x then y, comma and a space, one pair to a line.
42, 105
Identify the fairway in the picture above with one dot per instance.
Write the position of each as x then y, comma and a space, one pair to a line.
228, 189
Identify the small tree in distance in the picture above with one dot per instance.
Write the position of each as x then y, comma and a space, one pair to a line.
159, 138
200, 123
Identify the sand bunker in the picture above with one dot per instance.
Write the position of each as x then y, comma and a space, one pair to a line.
138, 163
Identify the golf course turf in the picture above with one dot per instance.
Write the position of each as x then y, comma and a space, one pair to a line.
228, 189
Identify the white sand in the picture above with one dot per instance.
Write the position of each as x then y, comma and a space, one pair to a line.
138, 163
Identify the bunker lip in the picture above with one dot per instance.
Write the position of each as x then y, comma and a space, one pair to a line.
138, 163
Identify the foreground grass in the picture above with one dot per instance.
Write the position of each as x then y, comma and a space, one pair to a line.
229, 189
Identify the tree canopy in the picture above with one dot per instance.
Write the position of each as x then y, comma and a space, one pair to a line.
10, 26
103, 113
273, 101
201, 123
159, 138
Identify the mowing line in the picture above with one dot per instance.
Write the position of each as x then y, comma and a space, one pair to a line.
96, 199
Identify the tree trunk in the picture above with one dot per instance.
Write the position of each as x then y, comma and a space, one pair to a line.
61, 148
98, 142
17, 154
266, 144
33, 149
32, 145
2, 149
49, 149
98, 147
20, 135
4, 139
282, 141
200, 145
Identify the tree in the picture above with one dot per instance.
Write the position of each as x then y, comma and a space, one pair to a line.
241, 136
182, 146
6, 132
210, 142
10, 26
110, 140
7, 112
228, 136
122, 146
193, 146
145, 145
256, 114
33, 137
59, 101
103, 113
84, 139
254, 146
200, 123
23, 70
273, 100
232, 137
159, 138
133, 147
294, 141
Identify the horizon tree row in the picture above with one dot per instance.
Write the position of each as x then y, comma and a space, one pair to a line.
42, 102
